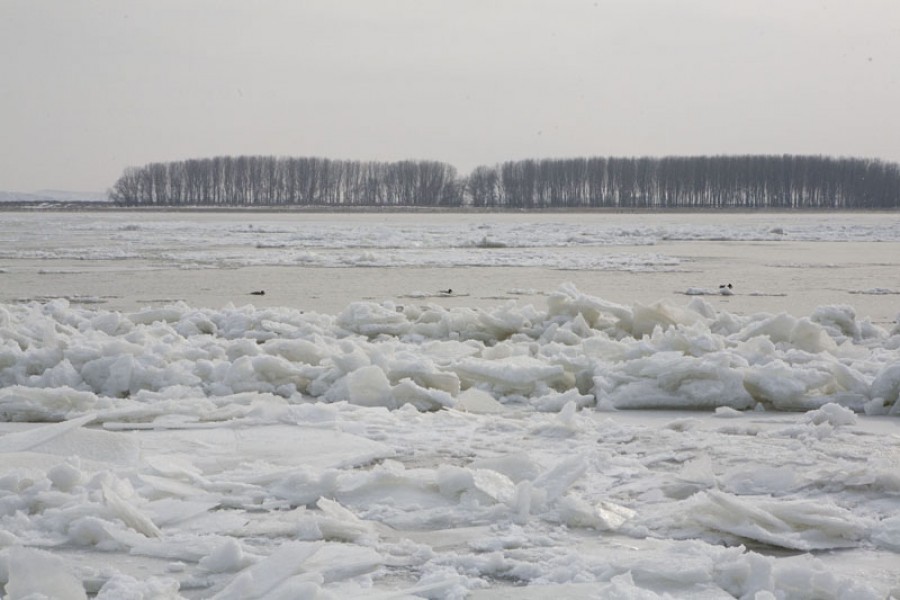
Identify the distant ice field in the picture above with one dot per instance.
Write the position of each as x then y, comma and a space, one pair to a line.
449, 406
320, 262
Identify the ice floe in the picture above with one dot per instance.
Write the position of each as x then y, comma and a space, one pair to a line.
424, 451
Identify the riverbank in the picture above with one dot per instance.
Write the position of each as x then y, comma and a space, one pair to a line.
111, 207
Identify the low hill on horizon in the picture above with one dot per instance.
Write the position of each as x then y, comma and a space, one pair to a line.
53, 196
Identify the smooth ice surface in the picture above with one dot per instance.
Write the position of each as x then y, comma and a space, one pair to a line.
321, 262
451, 446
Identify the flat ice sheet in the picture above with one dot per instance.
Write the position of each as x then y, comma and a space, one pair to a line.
320, 262
805, 506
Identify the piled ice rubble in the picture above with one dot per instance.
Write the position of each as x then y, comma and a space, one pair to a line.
416, 451
57, 361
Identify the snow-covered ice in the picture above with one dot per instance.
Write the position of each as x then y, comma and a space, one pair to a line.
419, 407
416, 450
556, 241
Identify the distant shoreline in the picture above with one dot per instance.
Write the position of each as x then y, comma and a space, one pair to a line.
32, 207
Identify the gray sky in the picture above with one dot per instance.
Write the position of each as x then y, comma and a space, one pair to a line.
89, 87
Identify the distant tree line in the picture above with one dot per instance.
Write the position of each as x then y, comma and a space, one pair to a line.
794, 182
277, 181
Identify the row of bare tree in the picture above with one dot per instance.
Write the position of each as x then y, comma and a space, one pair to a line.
813, 182
278, 181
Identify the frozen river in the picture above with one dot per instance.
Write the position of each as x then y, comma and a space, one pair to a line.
449, 405
321, 262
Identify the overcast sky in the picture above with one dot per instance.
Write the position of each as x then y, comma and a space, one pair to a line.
89, 87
